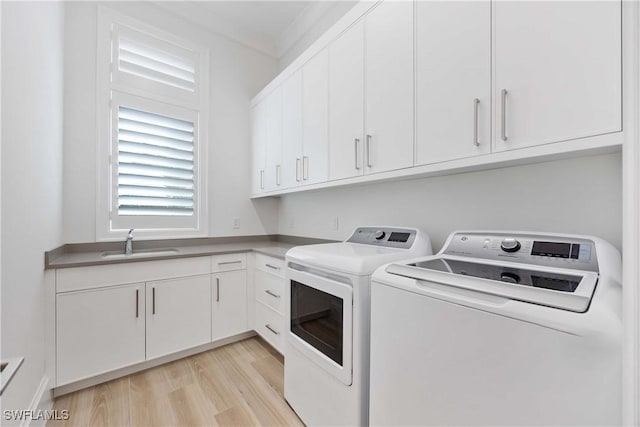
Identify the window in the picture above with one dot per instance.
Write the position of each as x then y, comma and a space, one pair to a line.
152, 112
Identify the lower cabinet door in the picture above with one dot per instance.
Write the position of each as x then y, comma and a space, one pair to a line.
178, 314
99, 330
229, 301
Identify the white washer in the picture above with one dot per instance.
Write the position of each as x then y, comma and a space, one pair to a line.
499, 329
326, 370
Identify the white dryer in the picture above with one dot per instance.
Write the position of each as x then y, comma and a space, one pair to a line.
499, 329
326, 370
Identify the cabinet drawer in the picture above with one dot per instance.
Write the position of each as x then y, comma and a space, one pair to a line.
228, 262
270, 264
270, 290
270, 325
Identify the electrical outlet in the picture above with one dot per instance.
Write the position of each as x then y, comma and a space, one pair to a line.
236, 222
335, 223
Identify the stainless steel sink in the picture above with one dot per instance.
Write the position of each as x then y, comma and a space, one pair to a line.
140, 253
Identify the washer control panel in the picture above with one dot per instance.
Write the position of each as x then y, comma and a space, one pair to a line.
545, 250
402, 238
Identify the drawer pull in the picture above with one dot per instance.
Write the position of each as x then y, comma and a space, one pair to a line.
137, 302
273, 267
272, 294
271, 329
230, 262
217, 289
153, 300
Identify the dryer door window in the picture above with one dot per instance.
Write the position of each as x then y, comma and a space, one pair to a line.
317, 318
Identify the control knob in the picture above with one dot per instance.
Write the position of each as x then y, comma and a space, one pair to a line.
510, 245
379, 235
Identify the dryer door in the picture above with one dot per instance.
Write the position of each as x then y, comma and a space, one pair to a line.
321, 322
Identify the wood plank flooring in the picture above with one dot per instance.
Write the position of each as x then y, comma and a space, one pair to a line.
240, 384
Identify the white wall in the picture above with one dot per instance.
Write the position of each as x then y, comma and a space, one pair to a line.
581, 195
237, 74
32, 84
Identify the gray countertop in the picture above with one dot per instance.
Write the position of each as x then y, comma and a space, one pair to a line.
91, 254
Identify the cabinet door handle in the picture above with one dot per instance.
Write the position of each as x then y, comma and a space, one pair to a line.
217, 289
357, 142
272, 294
278, 175
476, 109
153, 300
298, 170
305, 168
271, 329
503, 126
272, 267
369, 151
137, 302
261, 179
229, 262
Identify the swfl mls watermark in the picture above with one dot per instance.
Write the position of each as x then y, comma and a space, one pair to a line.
37, 415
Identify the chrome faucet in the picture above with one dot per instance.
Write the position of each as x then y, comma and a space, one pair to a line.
128, 245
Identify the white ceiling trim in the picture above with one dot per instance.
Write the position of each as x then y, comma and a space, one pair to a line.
301, 25
210, 21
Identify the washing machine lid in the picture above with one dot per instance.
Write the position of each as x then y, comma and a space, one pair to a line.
553, 287
347, 258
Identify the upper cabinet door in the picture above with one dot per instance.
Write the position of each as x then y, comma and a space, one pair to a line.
346, 103
273, 147
258, 142
389, 87
315, 119
290, 173
453, 80
557, 71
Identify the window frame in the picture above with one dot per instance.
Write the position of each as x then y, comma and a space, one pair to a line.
115, 88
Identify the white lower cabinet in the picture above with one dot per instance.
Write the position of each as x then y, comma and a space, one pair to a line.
178, 314
229, 304
99, 330
104, 323
270, 287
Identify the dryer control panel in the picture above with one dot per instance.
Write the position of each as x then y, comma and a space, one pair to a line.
391, 237
544, 250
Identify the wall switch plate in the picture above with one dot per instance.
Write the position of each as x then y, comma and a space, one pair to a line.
335, 223
236, 222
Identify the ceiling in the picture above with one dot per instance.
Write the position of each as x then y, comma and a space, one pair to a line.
271, 27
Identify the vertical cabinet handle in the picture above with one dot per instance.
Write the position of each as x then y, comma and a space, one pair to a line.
137, 302
217, 289
305, 168
368, 147
278, 175
476, 109
153, 300
357, 142
261, 179
503, 125
298, 170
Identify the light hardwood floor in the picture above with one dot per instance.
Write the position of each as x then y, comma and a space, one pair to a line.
240, 384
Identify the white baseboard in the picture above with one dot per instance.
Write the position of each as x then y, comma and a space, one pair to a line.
42, 401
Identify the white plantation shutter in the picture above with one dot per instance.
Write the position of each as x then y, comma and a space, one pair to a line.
154, 108
156, 64
155, 164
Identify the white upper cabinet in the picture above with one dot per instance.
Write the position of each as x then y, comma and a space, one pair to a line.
258, 147
291, 169
273, 144
389, 87
453, 80
315, 119
346, 103
557, 71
